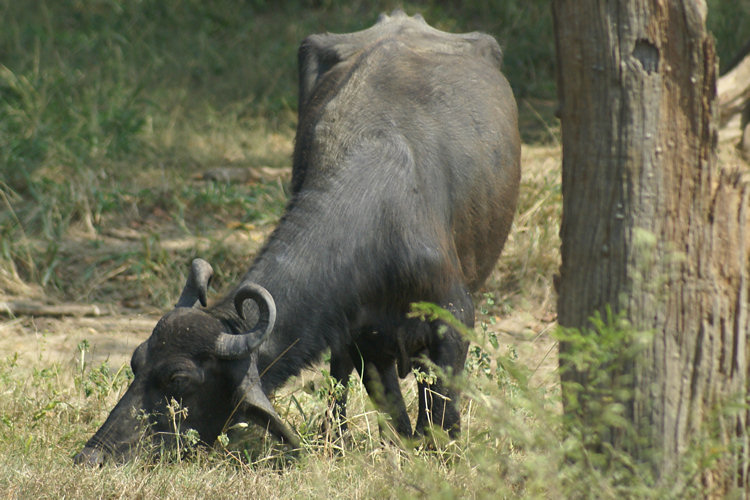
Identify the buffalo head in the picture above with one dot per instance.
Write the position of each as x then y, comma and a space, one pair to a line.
191, 373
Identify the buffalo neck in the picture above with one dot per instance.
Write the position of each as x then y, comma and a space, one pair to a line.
306, 265
312, 265
341, 245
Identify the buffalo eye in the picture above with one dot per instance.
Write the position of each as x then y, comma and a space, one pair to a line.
182, 382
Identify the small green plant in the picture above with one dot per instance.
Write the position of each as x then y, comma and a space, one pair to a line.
597, 388
100, 381
185, 440
428, 377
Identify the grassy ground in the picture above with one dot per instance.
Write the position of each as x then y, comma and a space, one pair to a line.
119, 124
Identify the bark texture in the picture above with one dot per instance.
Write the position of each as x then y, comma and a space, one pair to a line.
652, 226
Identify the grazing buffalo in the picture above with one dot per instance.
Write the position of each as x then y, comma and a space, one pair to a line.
404, 187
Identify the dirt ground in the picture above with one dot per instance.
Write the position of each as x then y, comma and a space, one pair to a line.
45, 340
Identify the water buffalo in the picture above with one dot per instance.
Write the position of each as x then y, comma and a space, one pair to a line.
404, 187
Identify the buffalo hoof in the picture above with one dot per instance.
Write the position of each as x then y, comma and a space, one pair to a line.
91, 457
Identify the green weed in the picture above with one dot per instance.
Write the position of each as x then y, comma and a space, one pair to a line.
597, 388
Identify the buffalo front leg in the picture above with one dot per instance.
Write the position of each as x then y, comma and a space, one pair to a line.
381, 383
341, 369
383, 386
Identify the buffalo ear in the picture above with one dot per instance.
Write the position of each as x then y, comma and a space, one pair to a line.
314, 58
253, 404
138, 359
197, 283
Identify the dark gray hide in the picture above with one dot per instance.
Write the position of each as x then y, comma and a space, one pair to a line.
404, 186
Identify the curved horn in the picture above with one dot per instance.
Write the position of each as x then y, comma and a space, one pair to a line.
238, 346
253, 403
196, 286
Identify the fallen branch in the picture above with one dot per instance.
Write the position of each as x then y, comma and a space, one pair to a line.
244, 174
734, 105
733, 90
15, 308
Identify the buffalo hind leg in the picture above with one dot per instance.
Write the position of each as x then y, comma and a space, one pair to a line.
439, 398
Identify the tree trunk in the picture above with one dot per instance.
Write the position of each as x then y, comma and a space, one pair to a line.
651, 226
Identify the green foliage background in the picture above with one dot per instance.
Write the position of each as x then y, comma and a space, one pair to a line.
102, 103
98, 95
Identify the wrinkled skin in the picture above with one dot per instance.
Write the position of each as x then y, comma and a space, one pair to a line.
404, 186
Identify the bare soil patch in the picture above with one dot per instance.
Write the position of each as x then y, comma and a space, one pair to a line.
45, 340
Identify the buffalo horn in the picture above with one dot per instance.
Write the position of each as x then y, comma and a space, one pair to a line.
254, 404
238, 346
196, 287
